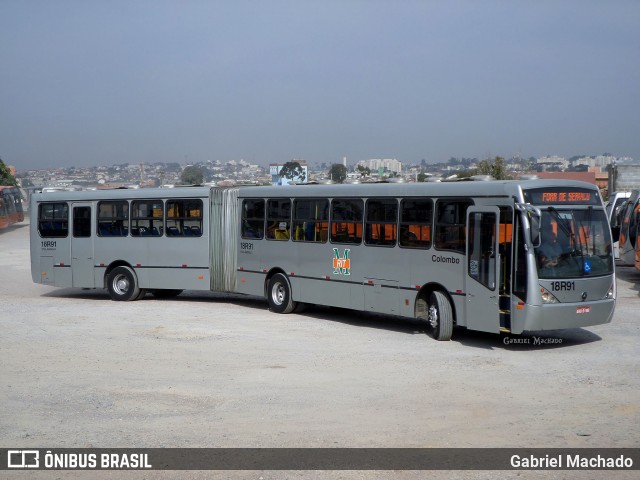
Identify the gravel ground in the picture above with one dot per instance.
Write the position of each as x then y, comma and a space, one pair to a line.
212, 370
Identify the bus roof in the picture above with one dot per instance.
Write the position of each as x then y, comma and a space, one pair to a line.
492, 188
124, 194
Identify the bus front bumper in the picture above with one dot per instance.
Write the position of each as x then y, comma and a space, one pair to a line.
560, 316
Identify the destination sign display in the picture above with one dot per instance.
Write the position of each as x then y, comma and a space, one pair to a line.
561, 196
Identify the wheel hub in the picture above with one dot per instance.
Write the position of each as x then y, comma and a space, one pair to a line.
278, 294
121, 285
433, 316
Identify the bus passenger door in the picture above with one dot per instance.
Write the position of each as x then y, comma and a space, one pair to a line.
482, 277
82, 245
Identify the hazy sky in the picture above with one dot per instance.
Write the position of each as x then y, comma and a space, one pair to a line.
93, 82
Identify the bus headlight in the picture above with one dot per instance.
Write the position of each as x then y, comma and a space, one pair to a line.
547, 297
609, 294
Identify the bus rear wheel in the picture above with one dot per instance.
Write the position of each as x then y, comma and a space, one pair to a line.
123, 284
279, 294
440, 316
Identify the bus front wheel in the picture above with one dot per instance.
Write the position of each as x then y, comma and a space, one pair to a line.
279, 294
123, 284
440, 316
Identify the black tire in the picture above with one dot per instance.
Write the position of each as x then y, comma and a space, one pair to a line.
440, 316
300, 307
142, 294
122, 284
165, 293
279, 294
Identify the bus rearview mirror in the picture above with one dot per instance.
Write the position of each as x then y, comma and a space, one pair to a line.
534, 222
533, 215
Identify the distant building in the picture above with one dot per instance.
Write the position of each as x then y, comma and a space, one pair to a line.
554, 160
384, 164
589, 177
599, 161
602, 178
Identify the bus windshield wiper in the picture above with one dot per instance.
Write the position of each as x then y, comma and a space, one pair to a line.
562, 223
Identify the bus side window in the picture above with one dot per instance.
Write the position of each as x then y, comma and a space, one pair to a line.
147, 218
381, 226
81, 222
278, 219
450, 224
53, 220
113, 219
481, 264
346, 220
252, 219
505, 238
310, 220
520, 264
633, 225
415, 223
184, 218
9, 201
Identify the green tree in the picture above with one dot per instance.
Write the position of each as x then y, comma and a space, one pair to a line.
496, 168
5, 176
422, 177
192, 176
293, 171
338, 173
364, 171
465, 173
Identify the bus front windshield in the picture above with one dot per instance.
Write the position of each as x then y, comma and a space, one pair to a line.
574, 243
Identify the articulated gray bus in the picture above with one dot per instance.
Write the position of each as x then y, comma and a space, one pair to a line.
490, 256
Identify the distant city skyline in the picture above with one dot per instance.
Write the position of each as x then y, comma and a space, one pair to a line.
102, 83
374, 164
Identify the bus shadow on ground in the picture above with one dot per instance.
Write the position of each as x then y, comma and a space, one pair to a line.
361, 319
470, 338
80, 293
544, 340
188, 296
